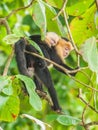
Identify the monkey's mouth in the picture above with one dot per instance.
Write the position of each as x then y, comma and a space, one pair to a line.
65, 54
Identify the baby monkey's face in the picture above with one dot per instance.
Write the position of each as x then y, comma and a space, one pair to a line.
51, 38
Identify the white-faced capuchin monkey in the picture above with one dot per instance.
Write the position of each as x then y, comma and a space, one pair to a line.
54, 48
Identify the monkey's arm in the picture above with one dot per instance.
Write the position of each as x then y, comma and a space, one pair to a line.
54, 57
20, 56
66, 67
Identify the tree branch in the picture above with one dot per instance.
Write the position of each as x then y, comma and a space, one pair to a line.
50, 61
21, 8
8, 63
96, 4
4, 22
80, 97
65, 70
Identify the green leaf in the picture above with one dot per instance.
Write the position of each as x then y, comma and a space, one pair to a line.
16, 86
8, 90
51, 117
19, 32
9, 108
39, 17
3, 82
79, 7
81, 76
34, 98
83, 27
96, 19
36, 46
55, 3
11, 38
6, 85
68, 120
90, 53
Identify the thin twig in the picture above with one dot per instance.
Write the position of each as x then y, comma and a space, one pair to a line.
4, 22
21, 8
8, 63
82, 83
67, 25
78, 63
87, 76
83, 119
92, 123
96, 4
61, 10
85, 108
80, 97
45, 96
59, 66
50, 61
65, 70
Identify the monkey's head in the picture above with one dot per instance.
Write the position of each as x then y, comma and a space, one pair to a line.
63, 48
51, 38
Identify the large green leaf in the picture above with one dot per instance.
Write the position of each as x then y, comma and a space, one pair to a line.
68, 120
83, 27
81, 76
9, 107
36, 46
79, 7
34, 98
90, 53
11, 38
39, 16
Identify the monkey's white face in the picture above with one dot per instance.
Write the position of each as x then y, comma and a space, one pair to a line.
66, 52
63, 48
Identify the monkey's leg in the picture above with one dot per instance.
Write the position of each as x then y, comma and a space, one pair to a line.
45, 77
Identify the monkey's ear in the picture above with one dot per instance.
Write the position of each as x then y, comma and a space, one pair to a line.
51, 38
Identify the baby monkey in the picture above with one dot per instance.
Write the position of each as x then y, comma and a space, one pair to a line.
62, 46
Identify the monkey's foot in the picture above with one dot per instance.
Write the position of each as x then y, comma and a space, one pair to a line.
44, 95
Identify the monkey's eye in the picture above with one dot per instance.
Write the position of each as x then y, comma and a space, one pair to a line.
66, 48
53, 42
39, 63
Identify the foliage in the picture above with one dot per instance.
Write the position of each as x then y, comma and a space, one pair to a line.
17, 92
